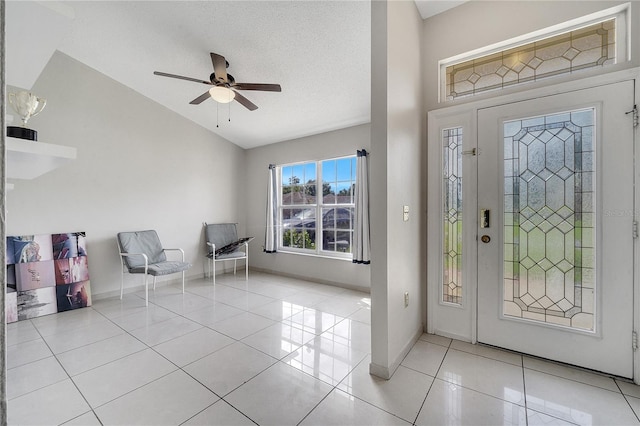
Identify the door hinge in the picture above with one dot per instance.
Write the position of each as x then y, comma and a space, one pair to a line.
635, 230
634, 341
634, 111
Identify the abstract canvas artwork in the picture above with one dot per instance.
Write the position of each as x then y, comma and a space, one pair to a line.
29, 248
11, 303
63, 271
73, 296
46, 274
34, 275
11, 277
66, 246
35, 303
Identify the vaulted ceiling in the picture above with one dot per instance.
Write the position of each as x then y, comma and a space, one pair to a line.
318, 51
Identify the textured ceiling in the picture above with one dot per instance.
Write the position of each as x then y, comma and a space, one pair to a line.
318, 51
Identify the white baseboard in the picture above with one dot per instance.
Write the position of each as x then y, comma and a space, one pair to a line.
313, 279
387, 372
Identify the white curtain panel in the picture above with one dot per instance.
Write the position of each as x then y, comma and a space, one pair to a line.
361, 239
270, 236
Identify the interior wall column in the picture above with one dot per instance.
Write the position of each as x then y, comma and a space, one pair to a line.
380, 360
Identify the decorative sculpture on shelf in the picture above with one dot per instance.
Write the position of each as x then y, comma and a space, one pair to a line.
26, 105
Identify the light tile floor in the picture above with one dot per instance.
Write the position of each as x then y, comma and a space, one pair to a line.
278, 351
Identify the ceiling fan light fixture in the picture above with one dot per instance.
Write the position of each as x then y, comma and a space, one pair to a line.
222, 94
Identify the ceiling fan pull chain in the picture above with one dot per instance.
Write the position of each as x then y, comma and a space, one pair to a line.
229, 111
217, 114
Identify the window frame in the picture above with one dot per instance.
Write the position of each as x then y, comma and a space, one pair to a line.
319, 205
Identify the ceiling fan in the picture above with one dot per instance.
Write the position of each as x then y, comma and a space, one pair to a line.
224, 88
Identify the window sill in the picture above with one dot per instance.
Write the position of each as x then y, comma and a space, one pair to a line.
323, 256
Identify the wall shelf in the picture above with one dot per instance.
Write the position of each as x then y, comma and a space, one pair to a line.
29, 159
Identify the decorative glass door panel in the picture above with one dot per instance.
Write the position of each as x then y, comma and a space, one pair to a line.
549, 228
555, 260
452, 235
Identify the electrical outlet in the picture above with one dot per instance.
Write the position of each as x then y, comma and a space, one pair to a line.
406, 299
405, 213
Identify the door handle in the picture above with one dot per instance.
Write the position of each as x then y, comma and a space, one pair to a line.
485, 239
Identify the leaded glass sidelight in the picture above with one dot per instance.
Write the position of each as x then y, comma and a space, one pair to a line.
549, 219
452, 203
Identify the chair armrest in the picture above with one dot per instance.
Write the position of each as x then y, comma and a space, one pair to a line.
144, 256
213, 250
175, 249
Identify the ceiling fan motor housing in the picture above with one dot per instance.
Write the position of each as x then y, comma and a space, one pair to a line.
214, 80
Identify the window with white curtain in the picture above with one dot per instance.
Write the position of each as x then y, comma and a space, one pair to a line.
316, 207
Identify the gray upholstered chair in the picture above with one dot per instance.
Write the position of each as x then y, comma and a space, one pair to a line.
219, 236
141, 253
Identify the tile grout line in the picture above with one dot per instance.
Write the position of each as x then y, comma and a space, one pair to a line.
178, 368
133, 353
627, 400
303, 372
488, 357
222, 398
524, 389
218, 401
55, 356
575, 381
335, 387
435, 377
126, 393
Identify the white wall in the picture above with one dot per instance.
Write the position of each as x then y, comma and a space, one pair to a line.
326, 145
477, 24
139, 166
398, 252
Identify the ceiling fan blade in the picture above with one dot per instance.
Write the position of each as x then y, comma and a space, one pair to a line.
197, 80
201, 98
219, 67
258, 86
245, 102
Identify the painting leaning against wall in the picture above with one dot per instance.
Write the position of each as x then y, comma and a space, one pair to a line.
46, 274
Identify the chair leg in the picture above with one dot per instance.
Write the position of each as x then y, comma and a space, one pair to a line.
182, 282
246, 269
214, 271
121, 284
235, 263
146, 290
154, 283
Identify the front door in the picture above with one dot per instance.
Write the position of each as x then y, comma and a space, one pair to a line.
556, 227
